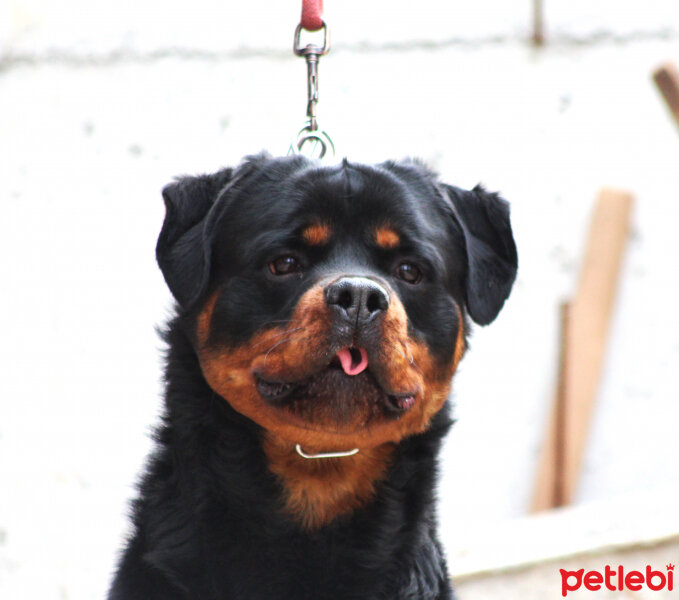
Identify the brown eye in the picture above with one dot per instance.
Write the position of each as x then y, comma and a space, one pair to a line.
284, 265
409, 273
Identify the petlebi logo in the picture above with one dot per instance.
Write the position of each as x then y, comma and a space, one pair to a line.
617, 579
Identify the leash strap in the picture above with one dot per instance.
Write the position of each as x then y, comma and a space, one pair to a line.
311, 15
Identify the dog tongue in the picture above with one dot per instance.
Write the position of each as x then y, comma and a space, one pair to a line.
353, 361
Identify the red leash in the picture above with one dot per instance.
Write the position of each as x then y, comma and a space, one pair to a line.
312, 10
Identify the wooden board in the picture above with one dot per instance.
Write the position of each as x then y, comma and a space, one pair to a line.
549, 483
666, 78
585, 333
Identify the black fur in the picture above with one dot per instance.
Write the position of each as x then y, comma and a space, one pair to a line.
208, 523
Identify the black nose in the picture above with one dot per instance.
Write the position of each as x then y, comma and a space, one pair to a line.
357, 299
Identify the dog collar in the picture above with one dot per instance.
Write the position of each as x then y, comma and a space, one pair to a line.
325, 454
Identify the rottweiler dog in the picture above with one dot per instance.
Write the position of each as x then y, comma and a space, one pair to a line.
321, 314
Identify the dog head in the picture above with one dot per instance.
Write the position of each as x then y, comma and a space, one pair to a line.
329, 304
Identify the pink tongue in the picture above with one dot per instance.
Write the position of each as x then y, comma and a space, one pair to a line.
346, 358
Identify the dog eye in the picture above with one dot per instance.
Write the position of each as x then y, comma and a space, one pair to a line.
284, 265
409, 273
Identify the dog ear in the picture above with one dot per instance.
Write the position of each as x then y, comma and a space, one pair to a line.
183, 252
491, 252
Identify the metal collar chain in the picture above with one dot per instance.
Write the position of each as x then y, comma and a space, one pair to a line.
311, 140
303, 454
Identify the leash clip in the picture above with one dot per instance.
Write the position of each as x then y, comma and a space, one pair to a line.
311, 133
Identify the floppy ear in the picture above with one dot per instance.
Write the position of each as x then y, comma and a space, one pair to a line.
491, 253
183, 251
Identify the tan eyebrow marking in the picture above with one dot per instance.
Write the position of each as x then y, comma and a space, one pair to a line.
386, 237
317, 234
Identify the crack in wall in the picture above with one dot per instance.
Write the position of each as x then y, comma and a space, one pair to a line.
120, 56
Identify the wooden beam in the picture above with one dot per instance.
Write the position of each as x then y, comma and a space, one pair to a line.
538, 23
548, 491
666, 78
585, 332
545, 482
561, 410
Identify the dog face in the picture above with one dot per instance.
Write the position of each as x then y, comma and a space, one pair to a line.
328, 304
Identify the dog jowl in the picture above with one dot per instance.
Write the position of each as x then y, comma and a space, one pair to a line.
320, 311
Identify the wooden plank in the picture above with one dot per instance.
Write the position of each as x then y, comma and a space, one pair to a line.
538, 23
548, 491
589, 322
666, 78
585, 333
560, 410
545, 482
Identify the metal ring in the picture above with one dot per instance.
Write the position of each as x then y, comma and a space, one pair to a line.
317, 136
320, 50
325, 454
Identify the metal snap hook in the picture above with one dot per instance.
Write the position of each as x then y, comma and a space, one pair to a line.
314, 143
